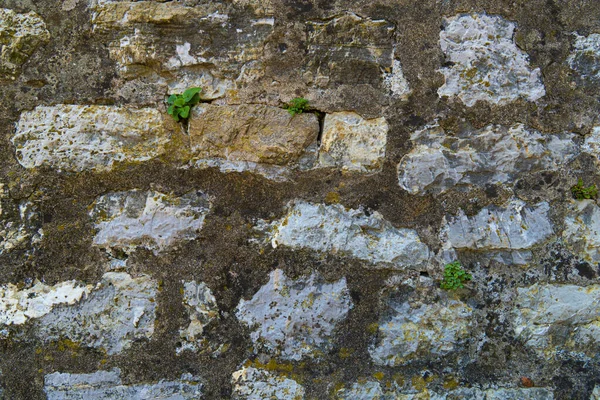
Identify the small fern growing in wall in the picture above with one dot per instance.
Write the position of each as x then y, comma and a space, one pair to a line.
297, 106
581, 192
181, 104
454, 276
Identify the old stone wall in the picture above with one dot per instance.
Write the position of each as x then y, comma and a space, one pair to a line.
248, 253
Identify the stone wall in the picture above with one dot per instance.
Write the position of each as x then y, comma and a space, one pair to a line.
248, 253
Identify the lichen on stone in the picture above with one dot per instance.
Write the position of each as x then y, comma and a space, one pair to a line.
256, 384
202, 309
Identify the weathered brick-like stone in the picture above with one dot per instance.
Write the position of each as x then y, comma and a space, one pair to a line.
582, 229
352, 142
282, 315
487, 64
254, 133
78, 138
585, 59
152, 220
107, 385
20, 36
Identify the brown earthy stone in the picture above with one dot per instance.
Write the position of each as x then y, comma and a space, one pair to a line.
251, 132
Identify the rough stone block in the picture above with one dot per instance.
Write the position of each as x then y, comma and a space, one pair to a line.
257, 384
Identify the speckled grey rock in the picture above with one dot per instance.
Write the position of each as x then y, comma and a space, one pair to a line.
282, 315
582, 229
118, 311
202, 308
487, 64
257, 384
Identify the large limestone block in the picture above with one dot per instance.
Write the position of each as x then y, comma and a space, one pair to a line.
20, 36
553, 318
494, 154
118, 311
582, 229
78, 138
348, 232
152, 220
352, 142
487, 65
107, 385
419, 331
295, 319
255, 133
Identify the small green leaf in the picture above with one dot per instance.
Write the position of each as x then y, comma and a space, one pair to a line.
176, 116
171, 99
184, 112
189, 94
171, 109
179, 102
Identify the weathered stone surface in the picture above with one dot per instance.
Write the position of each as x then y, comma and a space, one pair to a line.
396, 82
585, 59
118, 311
420, 330
18, 306
77, 138
487, 64
152, 220
349, 232
500, 394
147, 46
345, 44
494, 154
20, 36
19, 223
543, 309
202, 308
106, 385
282, 315
596, 393
582, 229
369, 390
515, 227
352, 142
254, 133
256, 384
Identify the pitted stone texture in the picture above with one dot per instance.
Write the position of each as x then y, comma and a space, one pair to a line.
416, 331
348, 232
585, 58
107, 385
202, 308
518, 226
347, 43
20, 36
499, 394
257, 384
252, 133
487, 64
582, 229
152, 220
352, 142
295, 319
542, 312
494, 154
78, 138
117, 312
19, 306
596, 393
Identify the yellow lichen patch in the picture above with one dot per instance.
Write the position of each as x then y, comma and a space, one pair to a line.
379, 375
332, 198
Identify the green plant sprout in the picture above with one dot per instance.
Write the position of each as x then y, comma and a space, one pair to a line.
580, 192
297, 106
180, 104
454, 276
